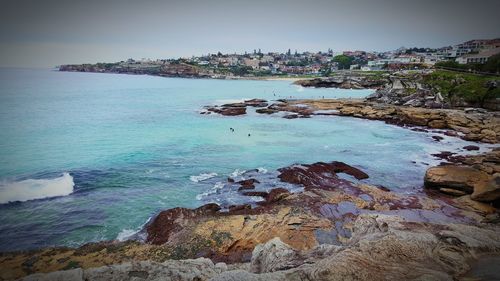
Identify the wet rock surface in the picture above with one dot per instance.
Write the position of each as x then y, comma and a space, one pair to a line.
483, 127
334, 229
476, 175
233, 109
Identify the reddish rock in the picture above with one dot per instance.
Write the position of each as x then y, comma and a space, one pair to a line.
256, 193
277, 194
443, 155
471, 147
451, 133
173, 220
266, 110
319, 175
256, 103
437, 138
228, 111
247, 184
291, 116
236, 208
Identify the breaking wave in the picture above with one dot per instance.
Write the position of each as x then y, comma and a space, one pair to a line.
31, 189
202, 177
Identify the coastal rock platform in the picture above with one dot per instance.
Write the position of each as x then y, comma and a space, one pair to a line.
472, 126
335, 229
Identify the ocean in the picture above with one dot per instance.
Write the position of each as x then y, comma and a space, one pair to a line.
88, 156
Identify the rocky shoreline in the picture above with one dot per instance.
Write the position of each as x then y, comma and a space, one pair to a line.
335, 229
471, 125
312, 234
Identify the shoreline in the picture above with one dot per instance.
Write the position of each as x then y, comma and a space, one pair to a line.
330, 213
302, 221
257, 78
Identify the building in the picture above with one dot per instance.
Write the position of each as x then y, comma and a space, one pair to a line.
478, 58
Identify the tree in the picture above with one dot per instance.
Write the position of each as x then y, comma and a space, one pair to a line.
343, 61
493, 64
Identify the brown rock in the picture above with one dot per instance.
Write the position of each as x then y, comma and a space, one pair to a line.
465, 202
471, 147
247, 184
277, 194
235, 208
228, 111
451, 191
256, 193
173, 220
256, 103
266, 110
437, 138
462, 178
437, 124
487, 191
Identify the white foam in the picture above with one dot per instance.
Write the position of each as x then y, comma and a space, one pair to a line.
31, 189
299, 88
125, 234
262, 170
202, 177
213, 190
227, 101
237, 173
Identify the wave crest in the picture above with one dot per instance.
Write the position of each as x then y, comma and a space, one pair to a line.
202, 177
32, 189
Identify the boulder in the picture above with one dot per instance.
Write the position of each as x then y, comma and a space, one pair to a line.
462, 178
320, 175
277, 194
487, 191
228, 110
272, 256
247, 184
256, 103
471, 147
266, 110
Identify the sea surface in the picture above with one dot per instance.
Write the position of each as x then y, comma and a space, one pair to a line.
88, 157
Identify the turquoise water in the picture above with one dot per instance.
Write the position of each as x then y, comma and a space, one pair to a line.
119, 148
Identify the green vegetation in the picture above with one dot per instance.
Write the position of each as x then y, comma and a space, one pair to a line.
456, 86
344, 62
491, 66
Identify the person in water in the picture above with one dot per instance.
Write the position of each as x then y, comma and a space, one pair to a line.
248, 134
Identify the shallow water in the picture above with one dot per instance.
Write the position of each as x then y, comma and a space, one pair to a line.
134, 145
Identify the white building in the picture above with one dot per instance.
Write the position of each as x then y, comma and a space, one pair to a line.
478, 58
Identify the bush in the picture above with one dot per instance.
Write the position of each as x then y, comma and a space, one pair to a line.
457, 87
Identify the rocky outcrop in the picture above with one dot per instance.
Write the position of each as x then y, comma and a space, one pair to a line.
461, 178
335, 228
320, 175
233, 109
382, 247
475, 175
483, 127
228, 110
345, 82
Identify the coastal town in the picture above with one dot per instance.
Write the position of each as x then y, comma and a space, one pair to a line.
480, 55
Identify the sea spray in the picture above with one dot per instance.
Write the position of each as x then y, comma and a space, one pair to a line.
31, 189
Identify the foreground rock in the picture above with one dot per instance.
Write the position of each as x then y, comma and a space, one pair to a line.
476, 175
382, 247
334, 230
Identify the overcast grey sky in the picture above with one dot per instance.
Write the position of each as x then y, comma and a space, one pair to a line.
51, 32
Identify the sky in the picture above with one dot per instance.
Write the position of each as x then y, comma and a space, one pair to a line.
35, 33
